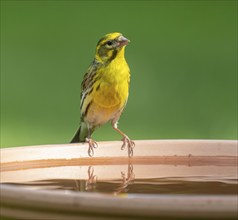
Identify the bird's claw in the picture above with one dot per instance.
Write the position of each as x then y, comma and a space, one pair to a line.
130, 145
91, 145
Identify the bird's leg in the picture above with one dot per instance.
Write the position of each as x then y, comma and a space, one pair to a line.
91, 144
126, 140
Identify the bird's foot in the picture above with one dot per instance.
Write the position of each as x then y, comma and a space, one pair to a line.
130, 145
91, 145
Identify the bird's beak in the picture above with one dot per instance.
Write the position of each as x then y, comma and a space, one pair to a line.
122, 41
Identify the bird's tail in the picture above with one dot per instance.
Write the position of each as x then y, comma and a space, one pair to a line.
81, 134
76, 136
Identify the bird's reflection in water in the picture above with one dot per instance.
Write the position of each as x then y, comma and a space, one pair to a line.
93, 185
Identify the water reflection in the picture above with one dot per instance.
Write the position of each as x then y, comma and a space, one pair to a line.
121, 185
89, 184
163, 179
127, 179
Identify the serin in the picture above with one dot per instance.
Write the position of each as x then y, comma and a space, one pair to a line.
104, 91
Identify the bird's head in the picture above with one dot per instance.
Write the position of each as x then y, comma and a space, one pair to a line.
111, 46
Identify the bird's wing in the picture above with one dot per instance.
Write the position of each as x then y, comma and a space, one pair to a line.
88, 77
88, 81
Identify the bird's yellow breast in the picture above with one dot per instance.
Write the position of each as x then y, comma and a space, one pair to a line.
109, 95
112, 90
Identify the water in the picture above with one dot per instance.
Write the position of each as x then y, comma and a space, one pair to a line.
119, 179
152, 186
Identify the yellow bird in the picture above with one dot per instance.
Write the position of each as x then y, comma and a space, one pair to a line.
104, 91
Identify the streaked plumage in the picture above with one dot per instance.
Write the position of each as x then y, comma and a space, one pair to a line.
104, 91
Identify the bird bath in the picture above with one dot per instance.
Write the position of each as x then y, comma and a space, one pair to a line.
165, 178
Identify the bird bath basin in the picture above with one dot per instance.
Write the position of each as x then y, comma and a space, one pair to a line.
165, 178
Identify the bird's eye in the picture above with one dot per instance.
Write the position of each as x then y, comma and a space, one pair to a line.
109, 43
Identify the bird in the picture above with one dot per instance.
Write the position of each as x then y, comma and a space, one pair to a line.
104, 91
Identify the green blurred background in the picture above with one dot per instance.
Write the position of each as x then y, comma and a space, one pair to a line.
182, 55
